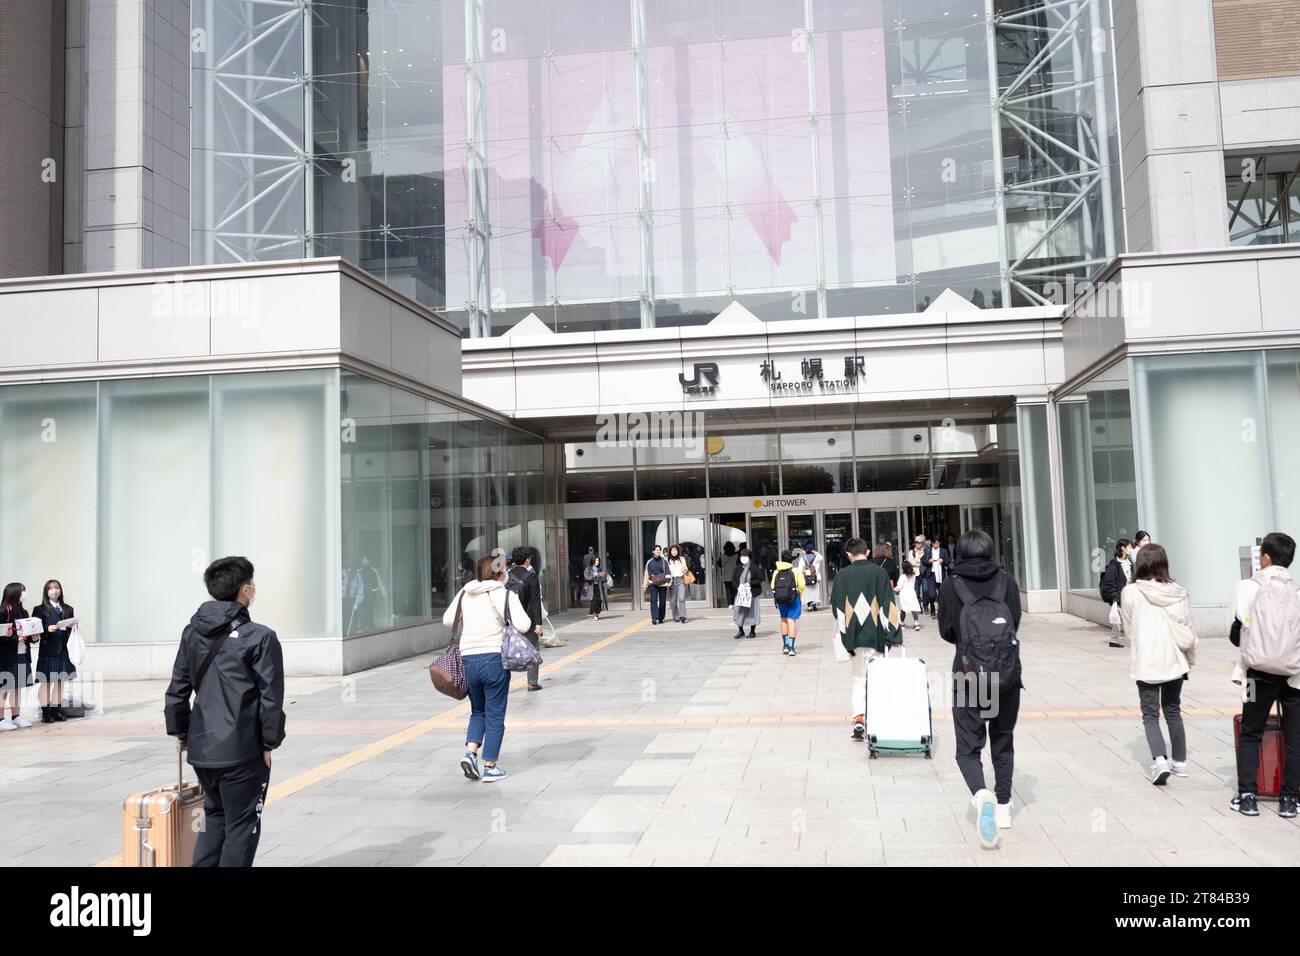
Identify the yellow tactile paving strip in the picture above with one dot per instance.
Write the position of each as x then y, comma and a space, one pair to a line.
451, 717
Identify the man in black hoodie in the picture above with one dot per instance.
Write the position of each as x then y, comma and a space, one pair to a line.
980, 577
238, 721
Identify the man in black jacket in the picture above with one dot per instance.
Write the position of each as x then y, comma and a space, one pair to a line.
522, 579
981, 577
236, 723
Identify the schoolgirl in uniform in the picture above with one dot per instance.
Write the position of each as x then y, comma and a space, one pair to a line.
54, 666
15, 659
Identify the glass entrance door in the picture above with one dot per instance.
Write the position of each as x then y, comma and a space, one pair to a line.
617, 554
690, 535
837, 528
982, 518
727, 532
764, 540
800, 531
883, 526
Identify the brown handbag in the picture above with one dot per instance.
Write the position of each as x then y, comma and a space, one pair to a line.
448, 669
688, 578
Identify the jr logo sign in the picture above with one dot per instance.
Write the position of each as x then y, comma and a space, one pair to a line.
704, 381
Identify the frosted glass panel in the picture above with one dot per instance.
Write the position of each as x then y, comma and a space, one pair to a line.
365, 494
1097, 474
1205, 463
47, 491
153, 497
1036, 492
1284, 427
272, 489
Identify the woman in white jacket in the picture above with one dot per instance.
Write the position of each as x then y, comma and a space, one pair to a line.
483, 605
1157, 616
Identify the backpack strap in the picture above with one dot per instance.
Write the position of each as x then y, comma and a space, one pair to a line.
207, 661
1000, 589
963, 590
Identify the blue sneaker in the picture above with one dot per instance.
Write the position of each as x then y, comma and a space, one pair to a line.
986, 824
469, 765
493, 773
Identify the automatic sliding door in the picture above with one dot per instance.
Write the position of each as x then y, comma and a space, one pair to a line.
837, 528
800, 531
725, 529
619, 561
690, 535
764, 541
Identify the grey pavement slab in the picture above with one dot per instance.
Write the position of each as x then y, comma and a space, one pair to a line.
680, 747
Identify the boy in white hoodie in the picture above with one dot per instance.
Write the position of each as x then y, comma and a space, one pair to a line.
1264, 688
1157, 617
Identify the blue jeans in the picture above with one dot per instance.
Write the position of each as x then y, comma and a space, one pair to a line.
658, 598
489, 686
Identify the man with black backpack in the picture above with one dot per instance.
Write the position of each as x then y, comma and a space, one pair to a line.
979, 612
238, 721
1266, 627
522, 579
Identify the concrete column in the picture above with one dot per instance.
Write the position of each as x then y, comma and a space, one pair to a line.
137, 134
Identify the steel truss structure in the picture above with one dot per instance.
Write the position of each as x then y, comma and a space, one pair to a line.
1072, 179
256, 76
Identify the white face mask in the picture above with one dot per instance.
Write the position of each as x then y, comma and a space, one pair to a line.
744, 559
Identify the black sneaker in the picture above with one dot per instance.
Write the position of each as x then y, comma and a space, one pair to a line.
1286, 806
1246, 804
739, 634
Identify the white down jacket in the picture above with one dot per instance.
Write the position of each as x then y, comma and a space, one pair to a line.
1158, 620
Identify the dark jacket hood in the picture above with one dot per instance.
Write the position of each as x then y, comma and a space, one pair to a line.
975, 569
216, 617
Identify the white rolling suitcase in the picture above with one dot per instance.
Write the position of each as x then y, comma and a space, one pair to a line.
898, 705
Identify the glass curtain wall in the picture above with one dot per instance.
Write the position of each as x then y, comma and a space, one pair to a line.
1025, 481
1217, 434
257, 464
796, 461
199, 467
1098, 474
614, 165
426, 491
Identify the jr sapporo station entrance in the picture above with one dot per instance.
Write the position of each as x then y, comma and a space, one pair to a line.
624, 533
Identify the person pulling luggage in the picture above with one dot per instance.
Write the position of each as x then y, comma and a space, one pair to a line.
237, 721
1266, 627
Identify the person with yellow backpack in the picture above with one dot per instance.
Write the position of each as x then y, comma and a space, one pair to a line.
787, 591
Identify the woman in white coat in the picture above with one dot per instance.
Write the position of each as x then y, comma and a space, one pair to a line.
1157, 616
813, 567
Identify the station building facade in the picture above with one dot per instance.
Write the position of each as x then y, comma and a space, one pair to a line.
325, 282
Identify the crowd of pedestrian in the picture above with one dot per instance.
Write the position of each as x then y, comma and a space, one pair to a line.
231, 721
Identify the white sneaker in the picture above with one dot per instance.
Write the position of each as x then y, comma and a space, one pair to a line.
21, 722
1003, 815
7, 724
1179, 769
1159, 771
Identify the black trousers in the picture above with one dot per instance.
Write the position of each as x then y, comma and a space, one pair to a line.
232, 813
1269, 689
969, 732
731, 592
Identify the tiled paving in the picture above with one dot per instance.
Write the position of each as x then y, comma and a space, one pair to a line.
676, 745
